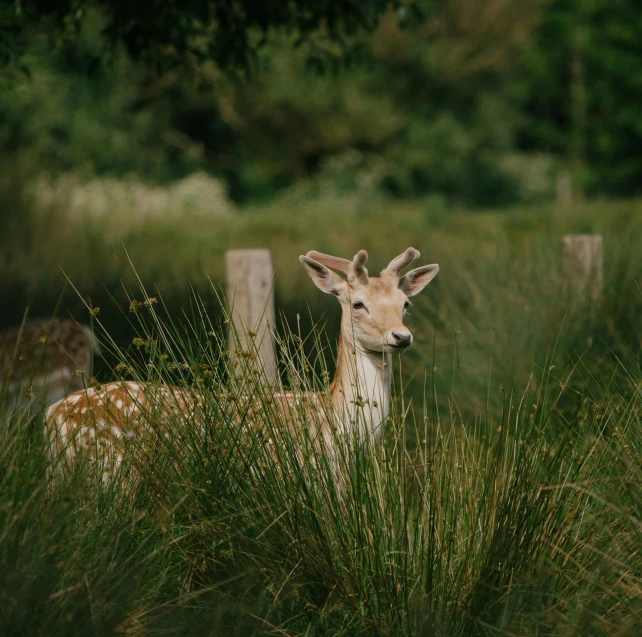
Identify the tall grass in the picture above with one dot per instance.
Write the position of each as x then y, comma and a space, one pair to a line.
504, 498
521, 517
497, 305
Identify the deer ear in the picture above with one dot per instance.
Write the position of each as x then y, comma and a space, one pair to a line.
325, 279
416, 280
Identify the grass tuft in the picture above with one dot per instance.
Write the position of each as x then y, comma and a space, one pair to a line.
524, 517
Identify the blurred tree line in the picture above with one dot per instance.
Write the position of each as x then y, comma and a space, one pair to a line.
483, 102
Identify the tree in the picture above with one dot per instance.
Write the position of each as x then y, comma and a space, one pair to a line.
228, 32
580, 89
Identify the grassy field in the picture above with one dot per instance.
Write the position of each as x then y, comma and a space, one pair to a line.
500, 301
504, 500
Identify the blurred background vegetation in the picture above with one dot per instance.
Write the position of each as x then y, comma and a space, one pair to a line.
478, 131
481, 103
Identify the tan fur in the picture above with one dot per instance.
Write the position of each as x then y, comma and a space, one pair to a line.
97, 422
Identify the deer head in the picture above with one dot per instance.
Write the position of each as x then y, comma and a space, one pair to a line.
373, 308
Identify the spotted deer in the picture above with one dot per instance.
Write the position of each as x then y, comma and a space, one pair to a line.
43, 360
96, 421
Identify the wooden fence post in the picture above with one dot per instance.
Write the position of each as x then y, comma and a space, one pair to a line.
250, 295
584, 264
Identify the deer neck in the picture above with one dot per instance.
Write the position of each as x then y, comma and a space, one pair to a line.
360, 391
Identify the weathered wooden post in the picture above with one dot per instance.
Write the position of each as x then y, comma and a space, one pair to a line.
584, 265
250, 294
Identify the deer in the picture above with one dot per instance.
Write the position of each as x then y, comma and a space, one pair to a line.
42, 360
93, 421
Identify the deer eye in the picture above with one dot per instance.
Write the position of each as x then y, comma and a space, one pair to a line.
358, 305
406, 305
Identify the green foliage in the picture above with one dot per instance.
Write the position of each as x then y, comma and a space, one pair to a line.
228, 33
520, 521
79, 112
579, 87
484, 105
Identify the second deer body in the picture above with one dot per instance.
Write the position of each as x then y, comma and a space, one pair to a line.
44, 359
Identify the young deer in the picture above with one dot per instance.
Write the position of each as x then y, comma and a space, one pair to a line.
92, 421
44, 359
372, 312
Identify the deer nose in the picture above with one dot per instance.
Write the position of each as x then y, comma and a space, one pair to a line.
402, 339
